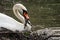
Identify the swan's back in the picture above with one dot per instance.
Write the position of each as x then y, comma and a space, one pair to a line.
10, 23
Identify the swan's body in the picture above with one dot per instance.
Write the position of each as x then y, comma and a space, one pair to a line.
10, 23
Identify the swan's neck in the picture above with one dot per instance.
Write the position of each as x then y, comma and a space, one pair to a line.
16, 9
18, 15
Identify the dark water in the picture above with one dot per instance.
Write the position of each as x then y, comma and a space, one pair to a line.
41, 12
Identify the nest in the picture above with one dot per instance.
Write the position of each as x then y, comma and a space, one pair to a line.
35, 35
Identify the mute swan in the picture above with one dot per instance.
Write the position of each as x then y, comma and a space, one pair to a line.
10, 23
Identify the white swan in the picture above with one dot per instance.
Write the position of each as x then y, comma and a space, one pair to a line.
10, 23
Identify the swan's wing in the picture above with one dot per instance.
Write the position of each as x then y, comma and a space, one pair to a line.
10, 23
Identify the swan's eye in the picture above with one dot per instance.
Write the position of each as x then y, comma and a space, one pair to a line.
24, 11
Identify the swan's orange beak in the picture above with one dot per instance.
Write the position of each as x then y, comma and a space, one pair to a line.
26, 15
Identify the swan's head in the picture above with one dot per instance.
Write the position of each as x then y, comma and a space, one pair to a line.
23, 11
